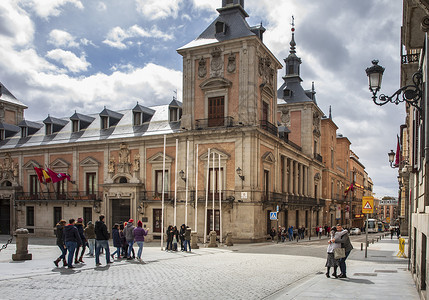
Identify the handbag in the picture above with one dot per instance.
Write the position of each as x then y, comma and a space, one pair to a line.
174, 240
339, 253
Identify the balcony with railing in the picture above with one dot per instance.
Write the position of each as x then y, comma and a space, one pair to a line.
225, 195
267, 126
412, 56
59, 196
214, 123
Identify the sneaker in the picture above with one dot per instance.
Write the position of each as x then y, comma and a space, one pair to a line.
342, 276
110, 262
113, 256
98, 264
71, 267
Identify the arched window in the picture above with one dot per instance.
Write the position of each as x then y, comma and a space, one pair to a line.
7, 183
122, 180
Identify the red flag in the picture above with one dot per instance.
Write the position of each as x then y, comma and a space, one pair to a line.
39, 173
398, 153
56, 177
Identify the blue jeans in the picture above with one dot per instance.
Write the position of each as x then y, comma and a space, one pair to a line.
71, 247
139, 253
186, 242
130, 248
63, 251
118, 251
102, 244
91, 246
343, 263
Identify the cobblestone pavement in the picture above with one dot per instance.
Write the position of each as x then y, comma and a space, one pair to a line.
255, 271
205, 273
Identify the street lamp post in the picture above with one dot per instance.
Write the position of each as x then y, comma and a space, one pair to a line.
411, 94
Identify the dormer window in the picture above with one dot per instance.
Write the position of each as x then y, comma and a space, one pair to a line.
48, 130
229, 2
80, 122
287, 93
137, 117
104, 122
75, 125
24, 132
220, 27
142, 114
175, 114
109, 118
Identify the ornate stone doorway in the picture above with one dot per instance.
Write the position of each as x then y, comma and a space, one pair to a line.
4, 216
121, 210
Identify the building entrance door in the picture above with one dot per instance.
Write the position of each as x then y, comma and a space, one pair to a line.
4, 216
120, 210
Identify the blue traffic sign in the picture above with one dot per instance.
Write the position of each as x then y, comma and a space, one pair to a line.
273, 215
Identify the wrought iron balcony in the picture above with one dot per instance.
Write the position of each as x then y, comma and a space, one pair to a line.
410, 58
58, 196
267, 126
214, 123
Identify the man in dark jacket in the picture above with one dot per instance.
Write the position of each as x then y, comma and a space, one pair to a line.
71, 239
101, 241
345, 243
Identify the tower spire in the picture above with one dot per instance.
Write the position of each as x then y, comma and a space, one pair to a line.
292, 42
330, 112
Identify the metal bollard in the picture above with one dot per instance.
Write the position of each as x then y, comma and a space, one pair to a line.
361, 246
372, 241
22, 245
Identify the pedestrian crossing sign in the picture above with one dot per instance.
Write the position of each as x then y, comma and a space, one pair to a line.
367, 205
273, 215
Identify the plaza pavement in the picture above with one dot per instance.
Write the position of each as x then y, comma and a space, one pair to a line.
207, 273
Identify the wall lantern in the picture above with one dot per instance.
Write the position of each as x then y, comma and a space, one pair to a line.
182, 175
240, 173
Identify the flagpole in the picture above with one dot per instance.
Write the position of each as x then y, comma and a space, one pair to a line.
175, 182
220, 203
214, 190
187, 183
196, 192
207, 196
163, 196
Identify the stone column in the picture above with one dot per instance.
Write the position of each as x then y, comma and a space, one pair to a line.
301, 180
286, 178
295, 176
306, 181
21, 236
290, 185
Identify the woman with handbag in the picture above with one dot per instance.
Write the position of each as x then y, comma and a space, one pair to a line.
344, 240
331, 261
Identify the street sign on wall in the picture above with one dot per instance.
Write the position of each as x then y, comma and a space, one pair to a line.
367, 205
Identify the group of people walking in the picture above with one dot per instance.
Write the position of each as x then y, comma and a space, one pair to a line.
73, 238
339, 240
174, 236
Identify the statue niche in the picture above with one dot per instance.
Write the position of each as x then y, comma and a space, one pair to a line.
124, 164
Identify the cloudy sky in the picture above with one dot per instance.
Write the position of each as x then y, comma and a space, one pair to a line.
58, 56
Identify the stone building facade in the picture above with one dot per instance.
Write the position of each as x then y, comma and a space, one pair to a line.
236, 149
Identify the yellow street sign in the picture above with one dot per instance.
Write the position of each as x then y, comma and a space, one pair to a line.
387, 220
367, 205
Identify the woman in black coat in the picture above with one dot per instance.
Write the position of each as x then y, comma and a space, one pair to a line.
60, 243
116, 241
79, 227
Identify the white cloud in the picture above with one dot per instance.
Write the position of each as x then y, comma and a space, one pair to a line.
73, 63
208, 4
47, 8
117, 36
16, 27
155, 9
60, 38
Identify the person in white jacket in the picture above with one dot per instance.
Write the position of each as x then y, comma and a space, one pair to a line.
331, 262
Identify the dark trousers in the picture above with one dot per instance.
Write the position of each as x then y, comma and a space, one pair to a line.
343, 263
63, 251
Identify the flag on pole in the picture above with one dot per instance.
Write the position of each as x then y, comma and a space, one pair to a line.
46, 176
56, 177
350, 188
398, 152
40, 175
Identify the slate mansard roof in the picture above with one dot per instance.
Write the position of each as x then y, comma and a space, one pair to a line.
236, 26
6, 96
159, 124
